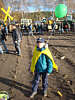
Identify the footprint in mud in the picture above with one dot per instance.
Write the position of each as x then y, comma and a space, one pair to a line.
12, 74
3, 60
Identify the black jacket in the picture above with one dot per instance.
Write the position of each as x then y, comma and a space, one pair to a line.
2, 35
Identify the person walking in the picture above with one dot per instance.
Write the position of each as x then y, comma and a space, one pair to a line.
17, 38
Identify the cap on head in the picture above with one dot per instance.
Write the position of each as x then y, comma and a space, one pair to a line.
41, 40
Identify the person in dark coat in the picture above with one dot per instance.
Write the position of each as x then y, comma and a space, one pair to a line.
17, 38
3, 37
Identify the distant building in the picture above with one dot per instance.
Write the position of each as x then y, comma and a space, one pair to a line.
26, 21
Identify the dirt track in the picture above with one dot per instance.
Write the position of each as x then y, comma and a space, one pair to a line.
16, 79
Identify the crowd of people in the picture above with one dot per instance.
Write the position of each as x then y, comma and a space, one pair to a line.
55, 27
17, 30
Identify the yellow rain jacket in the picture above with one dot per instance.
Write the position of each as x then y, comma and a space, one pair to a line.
36, 55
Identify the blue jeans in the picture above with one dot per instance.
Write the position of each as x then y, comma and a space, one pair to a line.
4, 45
17, 47
36, 81
1, 50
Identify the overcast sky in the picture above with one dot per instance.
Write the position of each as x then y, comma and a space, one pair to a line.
34, 5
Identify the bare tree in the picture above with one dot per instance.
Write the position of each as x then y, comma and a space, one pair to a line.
37, 4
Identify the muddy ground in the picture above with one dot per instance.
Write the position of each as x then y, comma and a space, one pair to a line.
16, 79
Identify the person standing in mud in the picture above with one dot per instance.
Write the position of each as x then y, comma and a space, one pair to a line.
42, 65
3, 38
17, 38
1, 50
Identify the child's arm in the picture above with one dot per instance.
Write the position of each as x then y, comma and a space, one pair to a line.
49, 65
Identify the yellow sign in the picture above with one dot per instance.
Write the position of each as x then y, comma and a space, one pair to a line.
7, 14
50, 22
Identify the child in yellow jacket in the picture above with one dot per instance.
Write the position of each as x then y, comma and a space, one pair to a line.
42, 65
